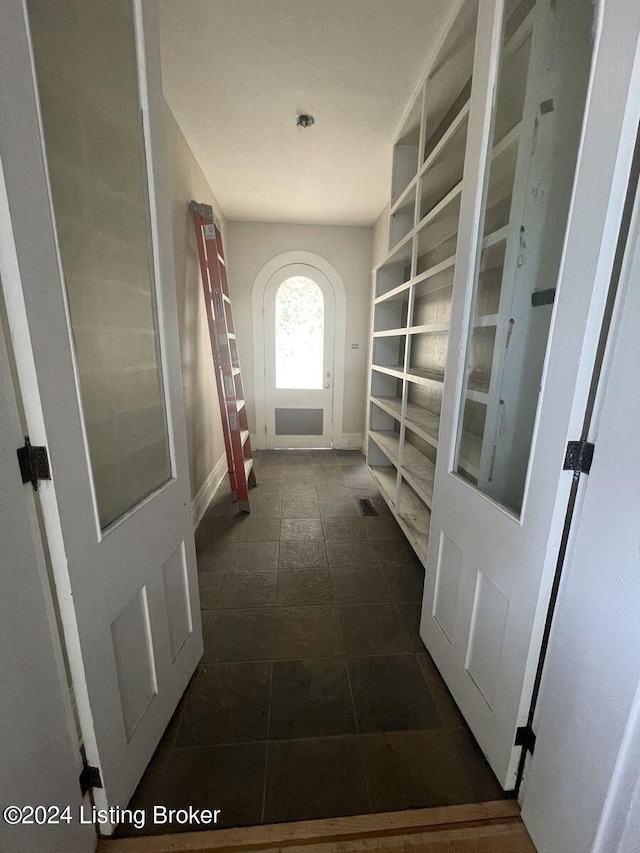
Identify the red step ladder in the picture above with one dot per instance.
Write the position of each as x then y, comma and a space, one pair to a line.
224, 348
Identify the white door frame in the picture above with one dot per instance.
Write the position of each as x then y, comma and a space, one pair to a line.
300, 398
257, 300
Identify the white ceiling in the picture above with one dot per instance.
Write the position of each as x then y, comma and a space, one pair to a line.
238, 72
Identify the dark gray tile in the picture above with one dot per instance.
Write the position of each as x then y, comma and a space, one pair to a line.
358, 553
396, 552
351, 457
300, 508
309, 779
357, 492
301, 554
342, 529
310, 698
343, 507
168, 739
408, 770
209, 585
213, 557
324, 457
205, 615
359, 586
379, 527
307, 632
253, 556
354, 464
258, 529
373, 629
151, 790
332, 492
227, 703
304, 586
213, 529
450, 715
298, 490
265, 506
240, 635
247, 589
229, 778
330, 477
301, 528
271, 488
358, 476
389, 694
410, 614
406, 582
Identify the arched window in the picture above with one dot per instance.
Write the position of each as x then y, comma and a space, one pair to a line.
299, 334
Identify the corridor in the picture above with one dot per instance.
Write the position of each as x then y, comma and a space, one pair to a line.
315, 696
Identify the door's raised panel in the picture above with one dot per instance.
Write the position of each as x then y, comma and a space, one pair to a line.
135, 665
176, 596
486, 638
448, 574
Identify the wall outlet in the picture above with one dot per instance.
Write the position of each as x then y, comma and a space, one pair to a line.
353, 442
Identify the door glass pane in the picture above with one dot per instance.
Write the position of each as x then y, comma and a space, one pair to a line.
537, 119
86, 63
299, 334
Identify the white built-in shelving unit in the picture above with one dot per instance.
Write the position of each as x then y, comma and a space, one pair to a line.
412, 287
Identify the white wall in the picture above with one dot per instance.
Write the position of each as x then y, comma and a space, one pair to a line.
204, 426
250, 245
380, 247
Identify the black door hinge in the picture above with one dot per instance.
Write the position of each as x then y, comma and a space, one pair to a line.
90, 776
578, 457
34, 463
525, 738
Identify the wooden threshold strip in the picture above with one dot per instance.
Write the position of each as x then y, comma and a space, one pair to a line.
493, 827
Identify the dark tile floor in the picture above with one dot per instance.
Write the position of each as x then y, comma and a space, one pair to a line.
315, 696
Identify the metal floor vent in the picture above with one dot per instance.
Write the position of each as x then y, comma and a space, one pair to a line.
366, 507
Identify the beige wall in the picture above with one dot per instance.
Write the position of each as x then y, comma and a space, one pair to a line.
250, 245
204, 427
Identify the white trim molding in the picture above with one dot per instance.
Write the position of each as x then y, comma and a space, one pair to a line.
350, 441
208, 489
257, 300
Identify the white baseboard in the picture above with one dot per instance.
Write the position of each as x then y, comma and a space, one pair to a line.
208, 489
348, 441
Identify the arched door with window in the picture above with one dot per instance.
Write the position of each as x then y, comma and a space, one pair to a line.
299, 334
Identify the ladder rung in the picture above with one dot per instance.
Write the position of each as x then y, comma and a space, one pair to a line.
235, 371
239, 405
248, 465
221, 259
244, 435
231, 336
226, 298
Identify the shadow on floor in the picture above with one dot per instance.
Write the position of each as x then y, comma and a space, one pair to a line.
315, 696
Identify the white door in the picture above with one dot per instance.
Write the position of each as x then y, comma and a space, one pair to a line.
87, 273
41, 761
299, 334
588, 713
528, 297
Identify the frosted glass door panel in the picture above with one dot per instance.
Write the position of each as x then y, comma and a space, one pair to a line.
88, 83
537, 119
299, 334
